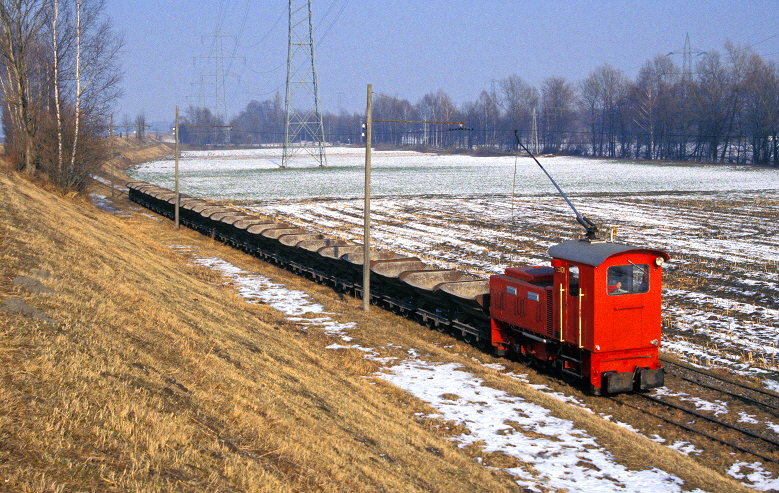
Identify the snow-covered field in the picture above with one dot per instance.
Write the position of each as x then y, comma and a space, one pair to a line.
718, 223
254, 175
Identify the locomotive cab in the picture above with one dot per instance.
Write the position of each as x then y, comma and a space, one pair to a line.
607, 313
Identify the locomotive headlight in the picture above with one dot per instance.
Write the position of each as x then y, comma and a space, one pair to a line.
659, 261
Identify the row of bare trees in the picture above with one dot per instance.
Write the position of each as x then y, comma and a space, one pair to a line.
59, 75
725, 110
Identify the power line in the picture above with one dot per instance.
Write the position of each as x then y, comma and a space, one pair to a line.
763, 41
337, 16
270, 31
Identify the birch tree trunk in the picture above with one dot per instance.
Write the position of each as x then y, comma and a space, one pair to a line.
57, 104
77, 105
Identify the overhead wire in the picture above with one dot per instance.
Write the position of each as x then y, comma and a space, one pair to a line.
237, 43
264, 72
514, 185
214, 49
327, 12
268, 33
337, 16
763, 41
249, 66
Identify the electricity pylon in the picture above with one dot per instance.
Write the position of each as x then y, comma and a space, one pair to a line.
687, 53
303, 128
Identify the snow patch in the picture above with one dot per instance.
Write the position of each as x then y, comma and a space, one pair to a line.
559, 455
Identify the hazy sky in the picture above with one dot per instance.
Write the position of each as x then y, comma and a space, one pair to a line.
409, 48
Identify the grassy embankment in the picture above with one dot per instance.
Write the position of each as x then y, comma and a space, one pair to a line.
153, 375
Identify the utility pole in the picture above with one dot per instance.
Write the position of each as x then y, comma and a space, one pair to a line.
176, 171
366, 259
534, 133
111, 151
303, 127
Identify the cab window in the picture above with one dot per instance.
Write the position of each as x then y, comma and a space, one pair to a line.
628, 279
573, 281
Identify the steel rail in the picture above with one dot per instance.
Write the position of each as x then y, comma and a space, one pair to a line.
712, 420
698, 432
749, 388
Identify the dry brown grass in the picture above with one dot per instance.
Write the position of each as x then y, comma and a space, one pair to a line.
155, 379
158, 377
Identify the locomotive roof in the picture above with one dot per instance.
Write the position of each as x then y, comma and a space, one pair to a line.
595, 253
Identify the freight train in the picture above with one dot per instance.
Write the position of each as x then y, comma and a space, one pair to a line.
593, 315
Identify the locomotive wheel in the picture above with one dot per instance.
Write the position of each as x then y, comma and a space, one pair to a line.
568, 375
481, 343
468, 338
569, 378
539, 364
525, 358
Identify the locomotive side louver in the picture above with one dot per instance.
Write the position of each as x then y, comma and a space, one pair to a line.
549, 312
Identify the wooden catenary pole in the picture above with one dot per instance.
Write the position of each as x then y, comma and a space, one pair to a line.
111, 152
366, 263
177, 167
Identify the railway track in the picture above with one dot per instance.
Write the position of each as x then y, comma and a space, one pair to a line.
708, 427
765, 399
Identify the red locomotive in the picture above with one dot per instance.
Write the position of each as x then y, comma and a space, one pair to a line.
594, 314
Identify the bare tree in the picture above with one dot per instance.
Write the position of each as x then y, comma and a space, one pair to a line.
56, 82
762, 110
59, 76
489, 113
127, 125
711, 95
260, 122
603, 96
558, 112
86, 80
518, 99
650, 103
738, 61
21, 24
199, 126
437, 106
140, 127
